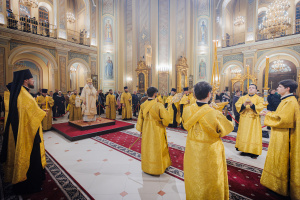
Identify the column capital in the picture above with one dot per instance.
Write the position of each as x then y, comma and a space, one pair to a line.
62, 51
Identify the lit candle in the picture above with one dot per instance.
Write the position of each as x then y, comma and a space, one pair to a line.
267, 73
213, 70
46, 103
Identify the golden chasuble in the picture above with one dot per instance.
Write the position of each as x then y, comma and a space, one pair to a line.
249, 135
75, 110
111, 104
47, 121
171, 111
152, 120
205, 169
282, 166
127, 109
30, 118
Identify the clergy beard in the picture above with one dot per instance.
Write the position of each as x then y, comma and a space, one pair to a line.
90, 86
30, 86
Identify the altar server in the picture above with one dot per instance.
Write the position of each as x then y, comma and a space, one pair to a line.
75, 107
46, 103
249, 135
205, 170
281, 173
173, 109
126, 101
152, 121
111, 104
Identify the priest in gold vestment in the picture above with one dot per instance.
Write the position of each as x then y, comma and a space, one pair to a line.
75, 107
281, 172
249, 135
173, 109
111, 104
205, 169
42, 101
23, 152
6, 101
88, 97
126, 101
152, 121
160, 99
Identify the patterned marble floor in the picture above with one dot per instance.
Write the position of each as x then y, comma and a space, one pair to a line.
108, 174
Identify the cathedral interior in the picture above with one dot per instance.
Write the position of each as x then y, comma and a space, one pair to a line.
141, 43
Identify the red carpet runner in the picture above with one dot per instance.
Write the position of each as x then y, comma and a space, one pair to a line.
243, 179
58, 184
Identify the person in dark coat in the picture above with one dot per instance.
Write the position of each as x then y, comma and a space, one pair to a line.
273, 100
59, 101
135, 101
101, 102
235, 112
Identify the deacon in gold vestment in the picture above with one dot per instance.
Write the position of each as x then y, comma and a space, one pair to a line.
126, 101
23, 152
249, 135
184, 102
111, 104
173, 110
282, 167
205, 169
42, 101
152, 120
75, 107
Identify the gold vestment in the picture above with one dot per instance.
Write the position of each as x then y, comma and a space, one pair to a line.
205, 169
126, 99
282, 167
249, 135
111, 104
152, 120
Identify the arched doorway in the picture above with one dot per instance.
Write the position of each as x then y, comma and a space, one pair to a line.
78, 76
288, 72
35, 70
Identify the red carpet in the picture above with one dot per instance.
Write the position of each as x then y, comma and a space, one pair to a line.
73, 134
244, 180
50, 191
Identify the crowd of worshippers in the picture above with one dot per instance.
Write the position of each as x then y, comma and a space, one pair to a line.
205, 168
27, 24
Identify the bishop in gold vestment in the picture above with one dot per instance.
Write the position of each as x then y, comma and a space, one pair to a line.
75, 107
111, 104
205, 169
152, 120
249, 135
281, 172
126, 101
173, 109
88, 97
23, 152
42, 101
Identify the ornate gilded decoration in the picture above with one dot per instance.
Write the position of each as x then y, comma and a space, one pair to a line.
142, 72
181, 73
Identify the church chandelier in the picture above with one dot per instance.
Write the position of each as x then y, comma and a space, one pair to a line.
236, 71
239, 20
73, 69
30, 3
276, 21
279, 66
70, 17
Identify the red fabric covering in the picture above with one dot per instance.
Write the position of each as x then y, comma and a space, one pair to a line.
73, 132
50, 191
234, 139
243, 182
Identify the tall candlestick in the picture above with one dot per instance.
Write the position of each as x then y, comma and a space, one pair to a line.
248, 76
46, 103
267, 73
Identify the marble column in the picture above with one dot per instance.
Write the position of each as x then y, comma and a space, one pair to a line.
62, 69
